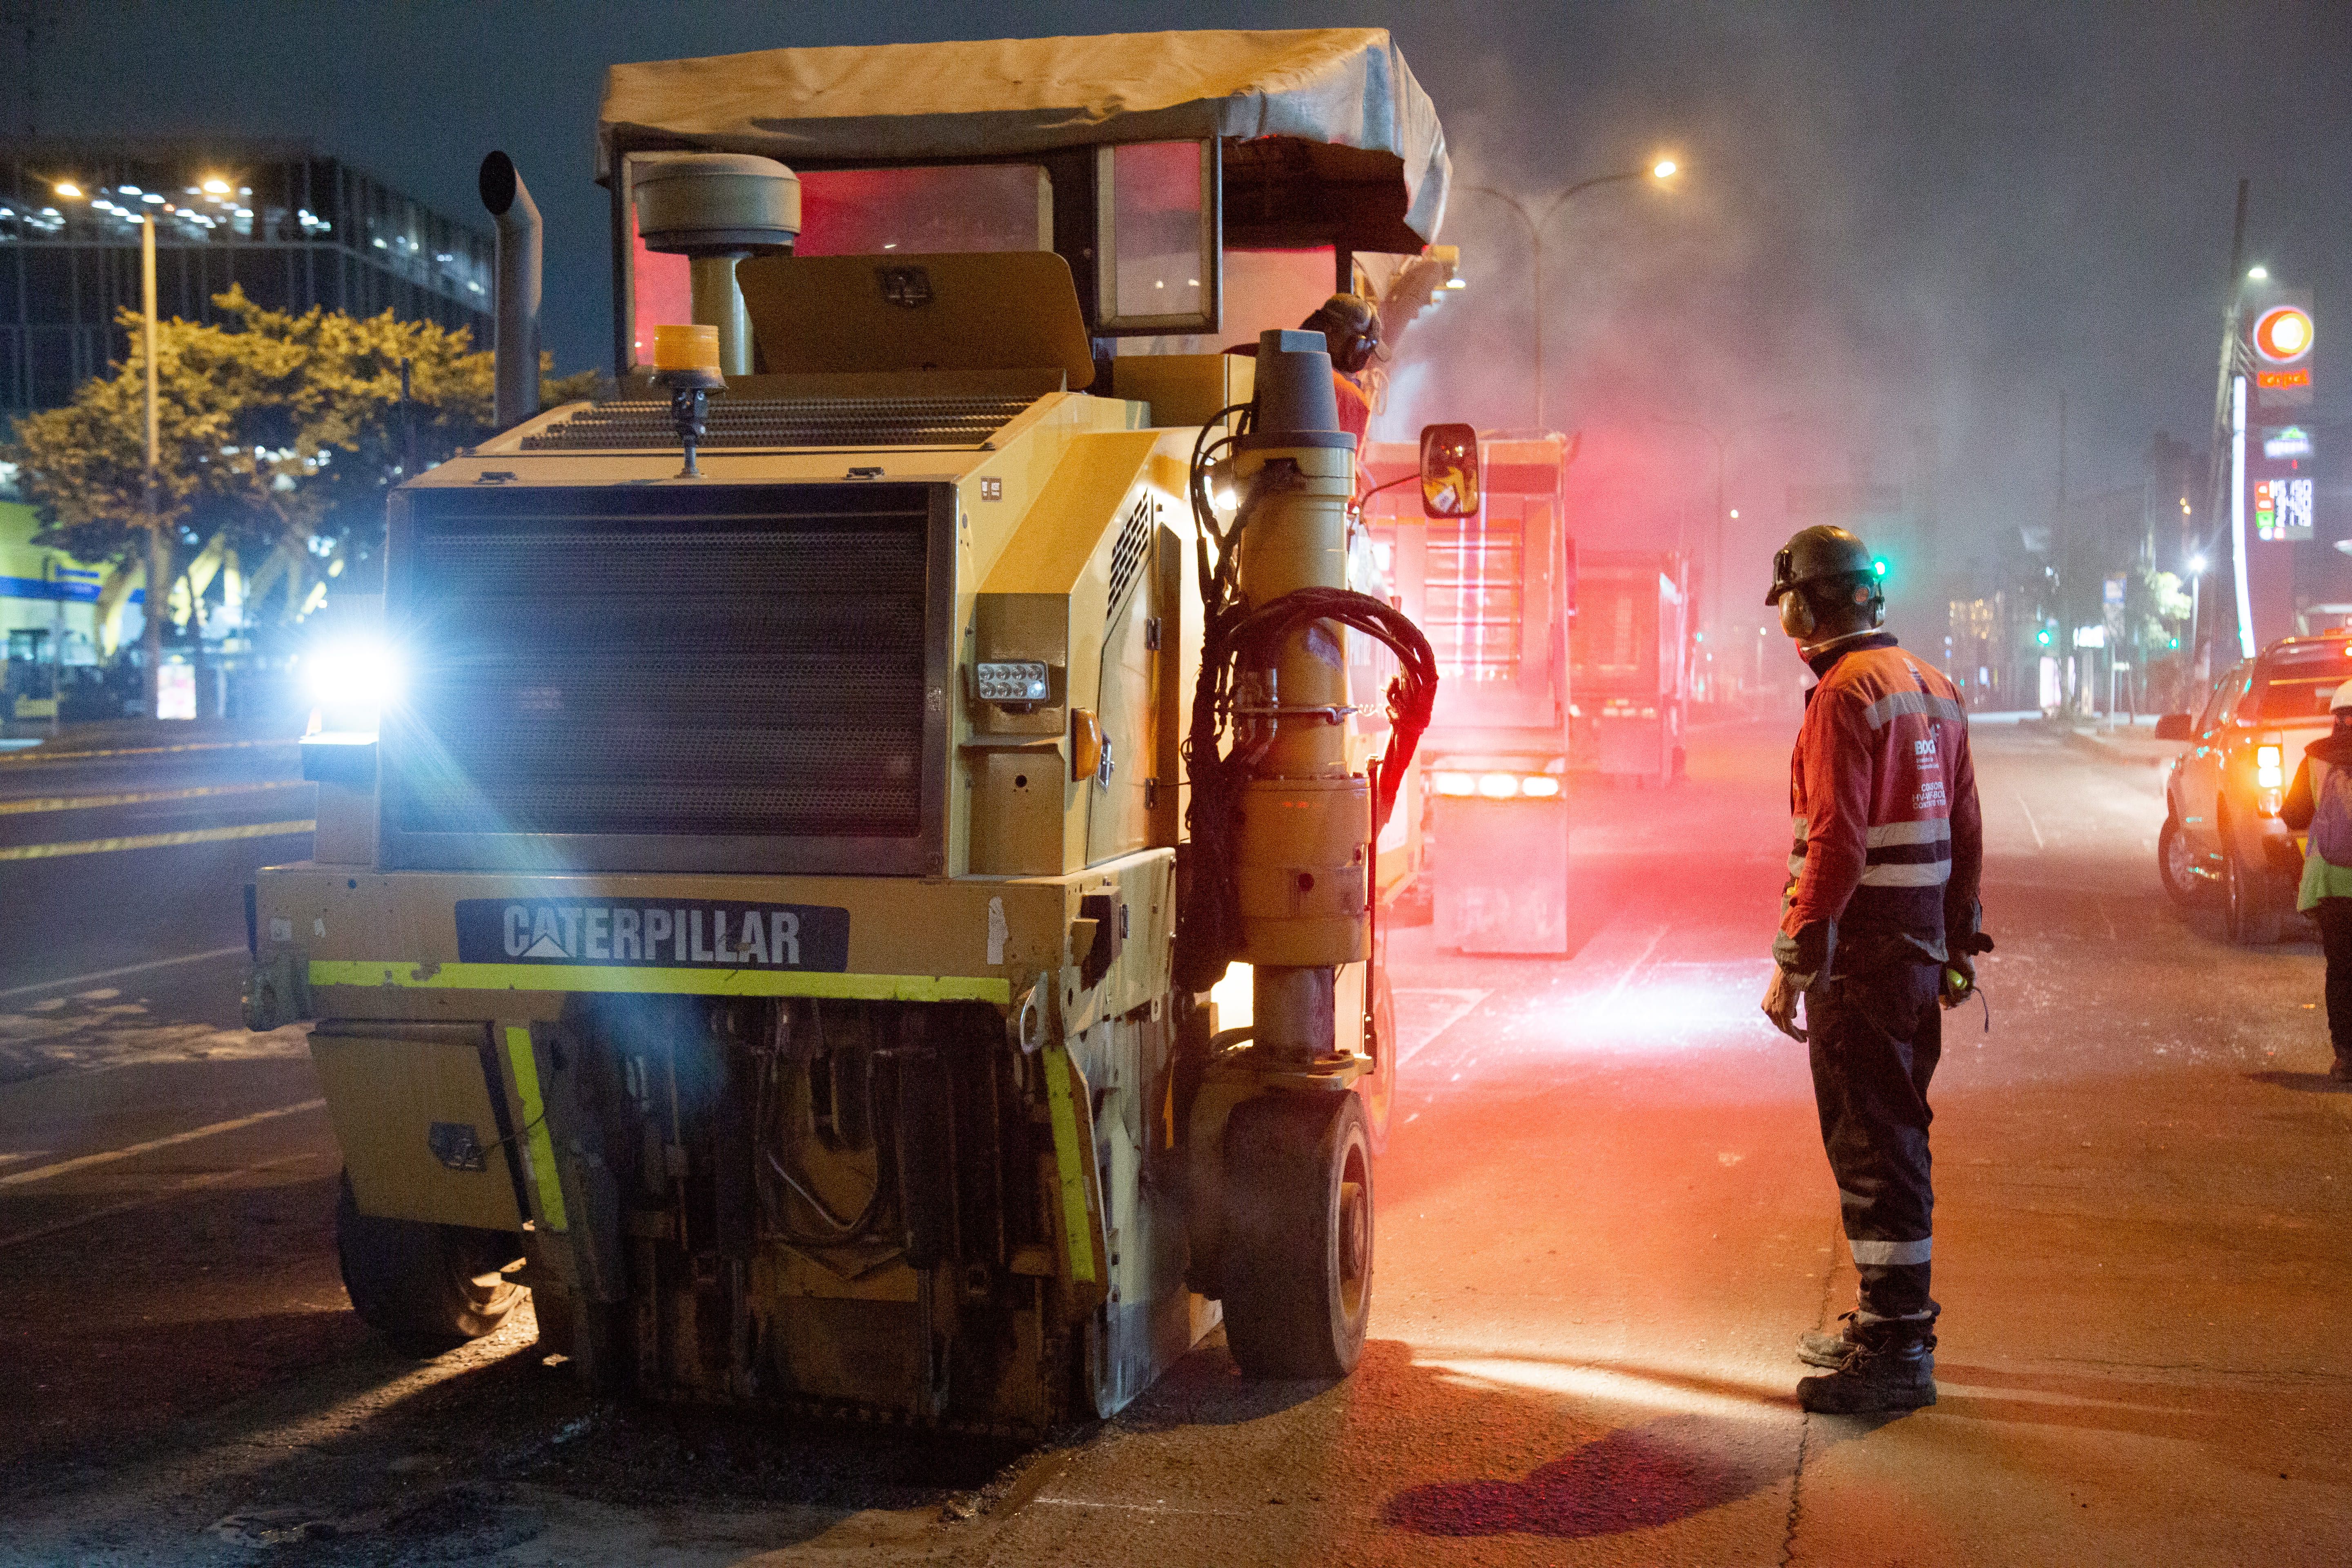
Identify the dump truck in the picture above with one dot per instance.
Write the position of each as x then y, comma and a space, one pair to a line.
1630, 662
1496, 592
856, 896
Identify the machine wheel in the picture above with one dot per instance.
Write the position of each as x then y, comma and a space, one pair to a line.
1297, 1257
2250, 915
422, 1287
2175, 863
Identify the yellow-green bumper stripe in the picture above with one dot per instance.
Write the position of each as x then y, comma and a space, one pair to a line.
408, 975
537, 1144
1066, 1155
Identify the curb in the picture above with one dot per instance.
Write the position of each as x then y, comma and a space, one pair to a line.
2102, 745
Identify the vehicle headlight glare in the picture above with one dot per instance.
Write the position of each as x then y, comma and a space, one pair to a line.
1539, 787
362, 672
1499, 786
1454, 784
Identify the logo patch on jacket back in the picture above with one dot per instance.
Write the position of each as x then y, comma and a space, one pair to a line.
639, 933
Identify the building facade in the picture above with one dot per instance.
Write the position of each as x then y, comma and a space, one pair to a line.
293, 229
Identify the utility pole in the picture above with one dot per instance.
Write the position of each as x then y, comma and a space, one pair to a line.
2062, 543
2217, 463
158, 548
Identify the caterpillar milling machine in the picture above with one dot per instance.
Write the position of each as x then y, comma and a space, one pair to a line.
789, 914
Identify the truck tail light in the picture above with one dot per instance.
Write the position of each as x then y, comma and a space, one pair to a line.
1501, 785
2268, 772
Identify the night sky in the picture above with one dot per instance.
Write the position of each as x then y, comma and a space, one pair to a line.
1905, 228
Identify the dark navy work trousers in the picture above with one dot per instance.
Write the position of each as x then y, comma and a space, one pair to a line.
1874, 1039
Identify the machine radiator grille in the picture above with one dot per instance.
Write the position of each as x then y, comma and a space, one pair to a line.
625, 424
659, 676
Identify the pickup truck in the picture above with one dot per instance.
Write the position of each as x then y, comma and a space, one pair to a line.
2222, 832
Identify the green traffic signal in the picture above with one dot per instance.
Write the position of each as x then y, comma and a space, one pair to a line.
1879, 566
2043, 637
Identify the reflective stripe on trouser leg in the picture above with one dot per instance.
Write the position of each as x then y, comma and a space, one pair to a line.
1879, 1254
1875, 1039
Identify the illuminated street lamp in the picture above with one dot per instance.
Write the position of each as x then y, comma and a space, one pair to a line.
1665, 169
159, 550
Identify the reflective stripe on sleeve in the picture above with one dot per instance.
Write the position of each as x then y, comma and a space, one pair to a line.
1898, 702
1888, 1254
1934, 874
1934, 830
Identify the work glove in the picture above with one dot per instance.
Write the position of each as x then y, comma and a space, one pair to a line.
1959, 980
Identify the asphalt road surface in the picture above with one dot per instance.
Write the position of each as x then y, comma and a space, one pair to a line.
1603, 1219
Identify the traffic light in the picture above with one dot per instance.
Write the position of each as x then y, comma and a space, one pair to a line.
1879, 566
2043, 637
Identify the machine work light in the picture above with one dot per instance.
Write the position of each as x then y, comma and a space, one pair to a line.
363, 672
1012, 681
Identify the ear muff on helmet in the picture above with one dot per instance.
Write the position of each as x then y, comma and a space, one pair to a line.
1351, 326
1797, 617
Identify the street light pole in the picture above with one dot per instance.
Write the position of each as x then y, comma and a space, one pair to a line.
1665, 169
159, 550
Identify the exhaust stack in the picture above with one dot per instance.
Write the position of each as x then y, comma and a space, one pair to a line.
515, 299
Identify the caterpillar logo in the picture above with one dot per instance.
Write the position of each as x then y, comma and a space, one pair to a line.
641, 934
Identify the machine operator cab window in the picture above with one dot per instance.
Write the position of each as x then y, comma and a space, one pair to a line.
1138, 224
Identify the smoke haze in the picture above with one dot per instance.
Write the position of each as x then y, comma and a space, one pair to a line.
1903, 231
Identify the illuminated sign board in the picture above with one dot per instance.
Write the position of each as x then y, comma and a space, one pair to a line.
2282, 334
2279, 443
2282, 508
2278, 349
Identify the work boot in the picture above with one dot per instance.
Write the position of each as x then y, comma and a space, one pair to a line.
1827, 1350
1891, 1366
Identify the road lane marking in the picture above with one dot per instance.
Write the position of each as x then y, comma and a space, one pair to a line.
1120, 1506
1445, 1008
148, 1200
158, 840
1624, 980
139, 751
2029, 817
42, 1172
139, 797
113, 974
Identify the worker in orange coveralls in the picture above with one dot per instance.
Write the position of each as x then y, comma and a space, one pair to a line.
1879, 925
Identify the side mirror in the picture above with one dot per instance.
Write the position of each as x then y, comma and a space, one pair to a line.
2173, 727
1449, 470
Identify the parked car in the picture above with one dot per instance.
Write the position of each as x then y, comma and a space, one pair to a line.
2221, 833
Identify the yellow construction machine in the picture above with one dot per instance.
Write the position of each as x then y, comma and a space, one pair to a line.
791, 913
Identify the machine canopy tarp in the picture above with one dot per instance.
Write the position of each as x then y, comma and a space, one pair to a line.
1329, 87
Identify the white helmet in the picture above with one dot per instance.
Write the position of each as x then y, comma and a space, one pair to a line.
2342, 700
